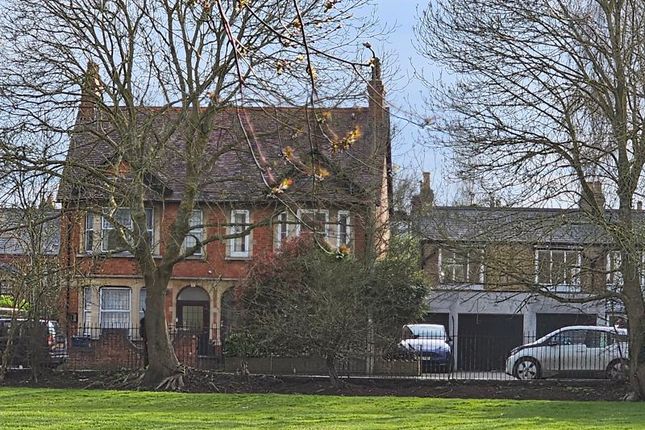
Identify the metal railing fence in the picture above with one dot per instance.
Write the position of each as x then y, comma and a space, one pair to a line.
585, 353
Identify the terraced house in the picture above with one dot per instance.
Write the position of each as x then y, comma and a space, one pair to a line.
502, 276
269, 174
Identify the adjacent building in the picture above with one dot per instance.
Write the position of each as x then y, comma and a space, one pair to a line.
497, 273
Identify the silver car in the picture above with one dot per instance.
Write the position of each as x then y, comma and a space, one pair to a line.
577, 351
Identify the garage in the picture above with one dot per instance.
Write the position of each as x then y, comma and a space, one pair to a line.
484, 340
546, 323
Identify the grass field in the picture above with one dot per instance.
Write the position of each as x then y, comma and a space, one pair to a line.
26, 408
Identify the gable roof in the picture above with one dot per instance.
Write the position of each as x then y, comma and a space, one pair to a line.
253, 143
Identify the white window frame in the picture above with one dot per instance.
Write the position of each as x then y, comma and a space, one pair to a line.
235, 228
282, 229
89, 235
106, 226
470, 266
575, 269
348, 228
304, 212
142, 302
198, 232
88, 305
103, 311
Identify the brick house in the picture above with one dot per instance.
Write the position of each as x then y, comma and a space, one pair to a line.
345, 200
492, 270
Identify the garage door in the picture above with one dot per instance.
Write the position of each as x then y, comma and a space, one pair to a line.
438, 318
546, 323
485, 340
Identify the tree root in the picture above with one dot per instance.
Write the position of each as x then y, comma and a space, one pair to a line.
174, 382
632, 396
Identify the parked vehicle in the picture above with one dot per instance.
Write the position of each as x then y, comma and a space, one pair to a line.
35, 342
575, 351
431, 344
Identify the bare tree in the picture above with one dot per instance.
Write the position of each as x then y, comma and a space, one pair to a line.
198, 62
548, 100
31, 274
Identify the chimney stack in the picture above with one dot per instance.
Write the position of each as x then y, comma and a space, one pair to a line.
597, 196
376, 91
425, 198
90, 93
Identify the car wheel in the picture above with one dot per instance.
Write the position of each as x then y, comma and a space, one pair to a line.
526, 368
617, 370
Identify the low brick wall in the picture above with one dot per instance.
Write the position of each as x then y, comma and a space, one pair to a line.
186, 348
113, 349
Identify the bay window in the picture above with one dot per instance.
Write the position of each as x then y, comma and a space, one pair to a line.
115, 306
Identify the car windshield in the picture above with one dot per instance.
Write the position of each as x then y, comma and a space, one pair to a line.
424, 332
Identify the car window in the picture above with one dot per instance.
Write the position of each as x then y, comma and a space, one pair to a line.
570, 337
596, 339
616, 338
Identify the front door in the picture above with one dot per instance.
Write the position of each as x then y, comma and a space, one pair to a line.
193, 315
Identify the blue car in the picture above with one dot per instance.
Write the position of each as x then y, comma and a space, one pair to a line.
431, 344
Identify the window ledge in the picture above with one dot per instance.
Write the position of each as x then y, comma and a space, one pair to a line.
111, 255
562, 288
238, 258
195, 258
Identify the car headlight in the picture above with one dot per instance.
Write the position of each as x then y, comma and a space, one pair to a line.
515, 350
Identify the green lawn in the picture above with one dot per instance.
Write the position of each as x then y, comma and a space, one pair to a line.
26, 408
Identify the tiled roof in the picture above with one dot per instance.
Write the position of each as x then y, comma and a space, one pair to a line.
239, 173
566, 227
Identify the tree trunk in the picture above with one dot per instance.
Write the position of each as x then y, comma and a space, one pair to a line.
163, 362
636, 355
636, 322
7, 354
330, 360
